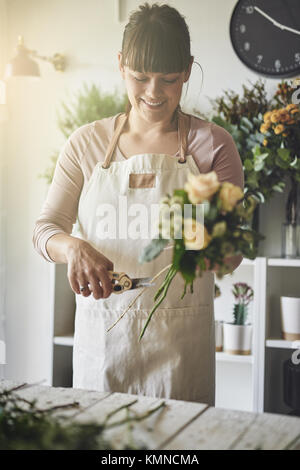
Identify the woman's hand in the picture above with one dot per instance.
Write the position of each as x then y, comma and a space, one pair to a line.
88, 266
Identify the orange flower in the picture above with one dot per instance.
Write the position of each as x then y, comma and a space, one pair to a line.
294, 111
265, 142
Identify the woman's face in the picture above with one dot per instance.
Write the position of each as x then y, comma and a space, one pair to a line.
154, 96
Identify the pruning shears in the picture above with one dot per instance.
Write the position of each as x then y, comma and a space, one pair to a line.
122, 282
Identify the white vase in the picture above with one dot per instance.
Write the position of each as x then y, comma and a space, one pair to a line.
219, 335
237, 339
290, 318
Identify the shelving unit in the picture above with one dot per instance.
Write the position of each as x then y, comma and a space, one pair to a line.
249, 383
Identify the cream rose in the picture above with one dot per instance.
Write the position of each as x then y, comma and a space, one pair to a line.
201, 187
195, 235
230, 195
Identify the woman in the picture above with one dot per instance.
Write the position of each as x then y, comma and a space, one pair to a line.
137, 157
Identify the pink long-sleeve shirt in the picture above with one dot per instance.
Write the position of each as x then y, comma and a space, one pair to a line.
211, 146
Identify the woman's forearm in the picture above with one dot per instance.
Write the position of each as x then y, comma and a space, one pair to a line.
60, 245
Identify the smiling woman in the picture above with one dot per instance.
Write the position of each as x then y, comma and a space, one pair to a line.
141, 155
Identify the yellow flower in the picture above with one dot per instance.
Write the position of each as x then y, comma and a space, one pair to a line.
265, 142
195, 235
291, 106
267, 116
278, 129
230, 195
295, 110
201, 187
264, 128
275, 117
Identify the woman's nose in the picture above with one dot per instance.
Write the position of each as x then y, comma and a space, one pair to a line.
153, 89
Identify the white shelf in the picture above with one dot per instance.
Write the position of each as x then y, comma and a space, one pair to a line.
225, 357
66, 340
293, 262
247, 262
282, 343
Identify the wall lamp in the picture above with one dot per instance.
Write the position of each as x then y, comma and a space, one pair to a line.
23, 65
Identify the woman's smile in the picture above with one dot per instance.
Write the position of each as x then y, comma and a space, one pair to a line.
153, 105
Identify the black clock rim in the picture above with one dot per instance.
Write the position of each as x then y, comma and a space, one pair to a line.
275, 76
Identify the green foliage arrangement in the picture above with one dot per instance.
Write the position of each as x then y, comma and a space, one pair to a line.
266, 161
24, 426
89, 104
242, 117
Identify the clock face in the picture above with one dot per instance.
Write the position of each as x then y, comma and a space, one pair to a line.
265, 35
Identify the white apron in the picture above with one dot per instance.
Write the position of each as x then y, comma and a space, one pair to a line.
176, 357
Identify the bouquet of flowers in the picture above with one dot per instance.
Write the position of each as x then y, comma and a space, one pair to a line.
206, 242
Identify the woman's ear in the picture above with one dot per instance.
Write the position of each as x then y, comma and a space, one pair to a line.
121, 67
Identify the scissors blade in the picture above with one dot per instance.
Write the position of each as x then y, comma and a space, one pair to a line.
141, 282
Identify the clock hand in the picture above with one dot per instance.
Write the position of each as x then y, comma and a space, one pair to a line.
275, 23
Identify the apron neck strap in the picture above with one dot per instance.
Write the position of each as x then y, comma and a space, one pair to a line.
183, 129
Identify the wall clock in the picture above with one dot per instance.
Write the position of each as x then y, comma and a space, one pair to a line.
265, 35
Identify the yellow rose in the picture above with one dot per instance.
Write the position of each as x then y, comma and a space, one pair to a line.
195, 235
278, 129
264, 128
230, 195
275, 117
291, 106
265, 142
201, 187
267, 116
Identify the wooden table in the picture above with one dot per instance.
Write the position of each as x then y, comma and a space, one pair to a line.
179, 425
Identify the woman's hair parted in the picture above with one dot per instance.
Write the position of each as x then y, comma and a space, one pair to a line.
156, 39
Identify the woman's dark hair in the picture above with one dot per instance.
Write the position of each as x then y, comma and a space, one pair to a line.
156, 39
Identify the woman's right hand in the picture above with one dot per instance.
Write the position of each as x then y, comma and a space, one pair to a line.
88, 266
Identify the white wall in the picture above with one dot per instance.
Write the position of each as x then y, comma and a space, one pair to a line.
87, 32
3, 128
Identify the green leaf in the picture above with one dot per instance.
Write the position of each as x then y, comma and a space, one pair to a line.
152, 250
248, 165
284, 154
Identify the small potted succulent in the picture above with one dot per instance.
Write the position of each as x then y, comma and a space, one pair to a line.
238, 334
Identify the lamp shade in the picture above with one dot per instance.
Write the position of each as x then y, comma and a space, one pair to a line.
22, 65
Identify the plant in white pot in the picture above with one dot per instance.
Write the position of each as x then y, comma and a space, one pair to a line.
237, 335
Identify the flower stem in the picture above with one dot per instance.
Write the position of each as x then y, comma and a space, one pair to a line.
169, 277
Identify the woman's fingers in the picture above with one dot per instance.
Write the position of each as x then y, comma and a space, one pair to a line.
106, 283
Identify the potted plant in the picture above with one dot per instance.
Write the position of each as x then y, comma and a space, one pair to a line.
290, 317
281, 128
243, 116
90, 104
238, 334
